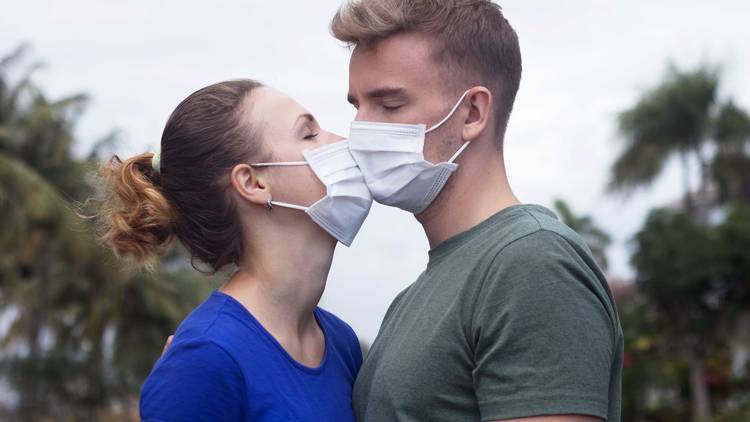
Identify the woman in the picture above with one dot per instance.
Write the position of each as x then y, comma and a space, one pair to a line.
246, 178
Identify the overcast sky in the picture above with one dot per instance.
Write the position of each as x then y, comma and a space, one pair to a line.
584, 60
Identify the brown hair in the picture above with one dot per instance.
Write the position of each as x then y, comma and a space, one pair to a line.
143, 209
473, 40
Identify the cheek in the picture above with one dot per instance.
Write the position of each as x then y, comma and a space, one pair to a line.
430, 152
297, 185
314, 189
440, 146
434, 148
307, 188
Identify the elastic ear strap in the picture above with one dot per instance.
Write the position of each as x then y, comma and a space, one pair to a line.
285, 205
453, 110
281, 164
460, 150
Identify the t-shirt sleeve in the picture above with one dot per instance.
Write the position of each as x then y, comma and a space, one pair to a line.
353, 350
544, 341
356, 349
196, 381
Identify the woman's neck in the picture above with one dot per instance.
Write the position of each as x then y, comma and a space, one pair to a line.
281, 284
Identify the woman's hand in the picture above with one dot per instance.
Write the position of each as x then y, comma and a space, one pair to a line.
166, 345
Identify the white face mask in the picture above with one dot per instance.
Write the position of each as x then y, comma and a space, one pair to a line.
392, 160
347, 202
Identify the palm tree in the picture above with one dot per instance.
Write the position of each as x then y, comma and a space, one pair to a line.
595, 238
674, 118
681, 117
35, 140
85, 329
731, 163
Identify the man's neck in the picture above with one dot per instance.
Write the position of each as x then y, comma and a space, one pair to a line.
475, 192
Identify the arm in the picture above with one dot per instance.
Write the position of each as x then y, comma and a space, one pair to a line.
556, 418
544, 342
197, 381
166, 345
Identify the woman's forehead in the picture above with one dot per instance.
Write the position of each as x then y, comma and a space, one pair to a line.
274, 109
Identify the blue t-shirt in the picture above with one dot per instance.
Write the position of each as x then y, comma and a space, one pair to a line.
223, 365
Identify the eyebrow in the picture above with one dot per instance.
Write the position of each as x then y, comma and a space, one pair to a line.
305, 116
301, 119
379, 93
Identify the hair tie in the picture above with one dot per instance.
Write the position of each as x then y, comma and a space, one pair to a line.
156, 162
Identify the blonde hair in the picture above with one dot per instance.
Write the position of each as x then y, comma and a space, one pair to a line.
472, 40
135, 218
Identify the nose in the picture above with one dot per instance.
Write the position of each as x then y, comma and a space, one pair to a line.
363, 114
330, 137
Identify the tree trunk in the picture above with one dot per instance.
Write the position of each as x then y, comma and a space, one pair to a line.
688, 200
97, 326
705, 169
705, 203
700, 400
31, 394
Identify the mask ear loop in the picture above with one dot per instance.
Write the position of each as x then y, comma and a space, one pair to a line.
450, 114
270, 202
460, 150
445, 119
281, 164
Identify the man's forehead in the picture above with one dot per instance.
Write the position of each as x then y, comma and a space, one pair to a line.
405, 49
399, 62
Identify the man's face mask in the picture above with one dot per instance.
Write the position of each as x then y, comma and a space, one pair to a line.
391, 158
346, 204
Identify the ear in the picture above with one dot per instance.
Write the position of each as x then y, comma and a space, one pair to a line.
249, 185
480, 112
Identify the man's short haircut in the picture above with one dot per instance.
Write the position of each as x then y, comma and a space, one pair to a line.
473, 42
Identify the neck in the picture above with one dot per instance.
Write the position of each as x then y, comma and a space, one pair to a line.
281, 280
478, 189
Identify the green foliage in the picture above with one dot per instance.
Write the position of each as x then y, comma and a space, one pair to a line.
676, 259
693, 263
596, 238
84, 327
681, 116
674, 117
731, 164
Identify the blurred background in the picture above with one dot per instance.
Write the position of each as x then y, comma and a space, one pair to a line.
631, 123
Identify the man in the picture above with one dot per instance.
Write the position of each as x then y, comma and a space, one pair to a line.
512, 318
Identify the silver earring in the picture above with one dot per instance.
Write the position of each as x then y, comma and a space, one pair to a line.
269, 205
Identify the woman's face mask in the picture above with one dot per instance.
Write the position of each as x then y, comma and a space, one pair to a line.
347, 201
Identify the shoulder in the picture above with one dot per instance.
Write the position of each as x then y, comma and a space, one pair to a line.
204, 354
395, 302
547, 271
551, 225
203, 318
537, 247
196, 368
520, 229
336, 326
222, 321
536, 241
341, 336
543, 263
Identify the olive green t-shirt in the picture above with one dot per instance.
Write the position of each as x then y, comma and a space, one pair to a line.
512, 318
